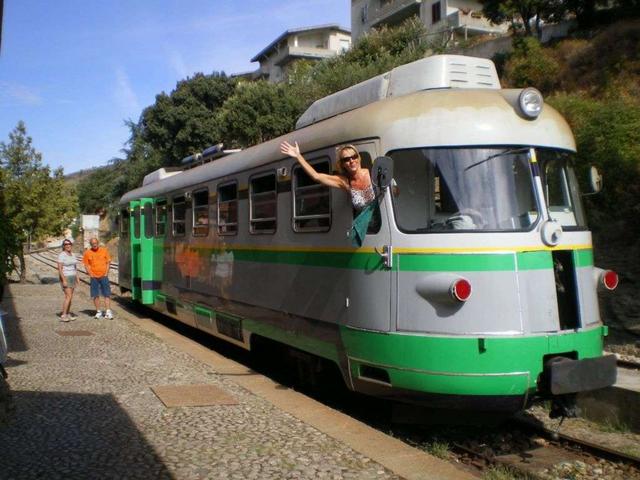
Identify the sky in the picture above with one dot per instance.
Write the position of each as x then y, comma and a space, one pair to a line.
75, 70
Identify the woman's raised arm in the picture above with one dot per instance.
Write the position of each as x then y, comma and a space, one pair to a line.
334, 181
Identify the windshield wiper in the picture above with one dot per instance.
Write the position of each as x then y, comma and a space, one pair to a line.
496, 155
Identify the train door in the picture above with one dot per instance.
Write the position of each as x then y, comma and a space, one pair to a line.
370, 299
150, 258
134, 235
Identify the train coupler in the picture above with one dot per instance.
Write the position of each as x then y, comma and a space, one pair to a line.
564, 406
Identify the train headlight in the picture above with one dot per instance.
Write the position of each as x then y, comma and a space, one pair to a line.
530, 101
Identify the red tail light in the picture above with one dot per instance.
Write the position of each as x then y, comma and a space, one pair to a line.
610, 279
461, 290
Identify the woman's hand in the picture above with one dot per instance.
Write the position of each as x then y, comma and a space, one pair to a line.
291, 150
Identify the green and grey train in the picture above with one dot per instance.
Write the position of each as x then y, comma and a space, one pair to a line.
475, 286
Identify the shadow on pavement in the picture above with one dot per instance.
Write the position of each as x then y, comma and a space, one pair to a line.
70, 435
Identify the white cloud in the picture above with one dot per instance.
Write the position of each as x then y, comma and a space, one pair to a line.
13, 93
124, 94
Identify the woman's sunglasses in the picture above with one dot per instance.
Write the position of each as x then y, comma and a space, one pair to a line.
348, 159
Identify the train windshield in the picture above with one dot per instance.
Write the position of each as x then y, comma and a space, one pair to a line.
462, 189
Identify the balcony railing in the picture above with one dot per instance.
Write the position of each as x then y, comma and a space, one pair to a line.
474, 22
378, 12
283, 56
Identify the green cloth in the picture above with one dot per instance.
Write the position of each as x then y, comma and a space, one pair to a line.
361, 224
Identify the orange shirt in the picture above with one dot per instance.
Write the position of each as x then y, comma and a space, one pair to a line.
97, 262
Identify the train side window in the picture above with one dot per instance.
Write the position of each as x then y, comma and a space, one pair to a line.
136, 222
179, 216
228, 209
147, 210
124, 223
263, 203
200, 213
161, 218
311, 200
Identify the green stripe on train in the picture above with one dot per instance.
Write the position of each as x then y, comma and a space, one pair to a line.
457, 366
583, 258
409, 262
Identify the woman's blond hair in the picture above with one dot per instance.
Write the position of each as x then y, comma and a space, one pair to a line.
339, 151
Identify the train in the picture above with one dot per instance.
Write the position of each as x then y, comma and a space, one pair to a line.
475, 286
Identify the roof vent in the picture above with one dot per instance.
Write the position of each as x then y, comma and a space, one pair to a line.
159, 175
438, 71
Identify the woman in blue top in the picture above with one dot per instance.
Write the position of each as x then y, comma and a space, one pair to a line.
352, 178
68, 276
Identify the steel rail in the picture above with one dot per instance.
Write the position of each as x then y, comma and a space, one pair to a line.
592, 448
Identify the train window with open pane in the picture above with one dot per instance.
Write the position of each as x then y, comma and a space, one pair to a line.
228, 209
311, 200
161, 218
200, 213
179, 211
263, 203
124, 223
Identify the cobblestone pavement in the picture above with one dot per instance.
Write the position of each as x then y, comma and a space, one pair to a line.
84, 408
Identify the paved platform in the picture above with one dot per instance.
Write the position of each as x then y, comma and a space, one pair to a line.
88, 404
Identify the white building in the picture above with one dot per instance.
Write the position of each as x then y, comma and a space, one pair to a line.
462, 17
312, 43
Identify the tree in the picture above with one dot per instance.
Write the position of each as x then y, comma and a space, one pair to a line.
35, 202
184, 122
102, 188
9, 244
531, 65
374, 53
259, 111
522, 13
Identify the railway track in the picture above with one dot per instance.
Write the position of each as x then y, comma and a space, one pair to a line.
534, 451
523, 447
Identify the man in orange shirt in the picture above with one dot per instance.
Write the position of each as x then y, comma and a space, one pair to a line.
97, 262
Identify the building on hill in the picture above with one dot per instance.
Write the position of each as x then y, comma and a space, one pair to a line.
462, 18
310, 43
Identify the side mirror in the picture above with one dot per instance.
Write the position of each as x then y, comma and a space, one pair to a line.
382, 172
595, 180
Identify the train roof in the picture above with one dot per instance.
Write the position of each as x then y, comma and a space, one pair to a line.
429, 117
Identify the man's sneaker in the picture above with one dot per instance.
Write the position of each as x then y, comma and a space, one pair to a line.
108, 314
72, 316
64, 318
98, 314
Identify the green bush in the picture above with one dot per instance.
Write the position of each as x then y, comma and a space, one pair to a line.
531, 65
